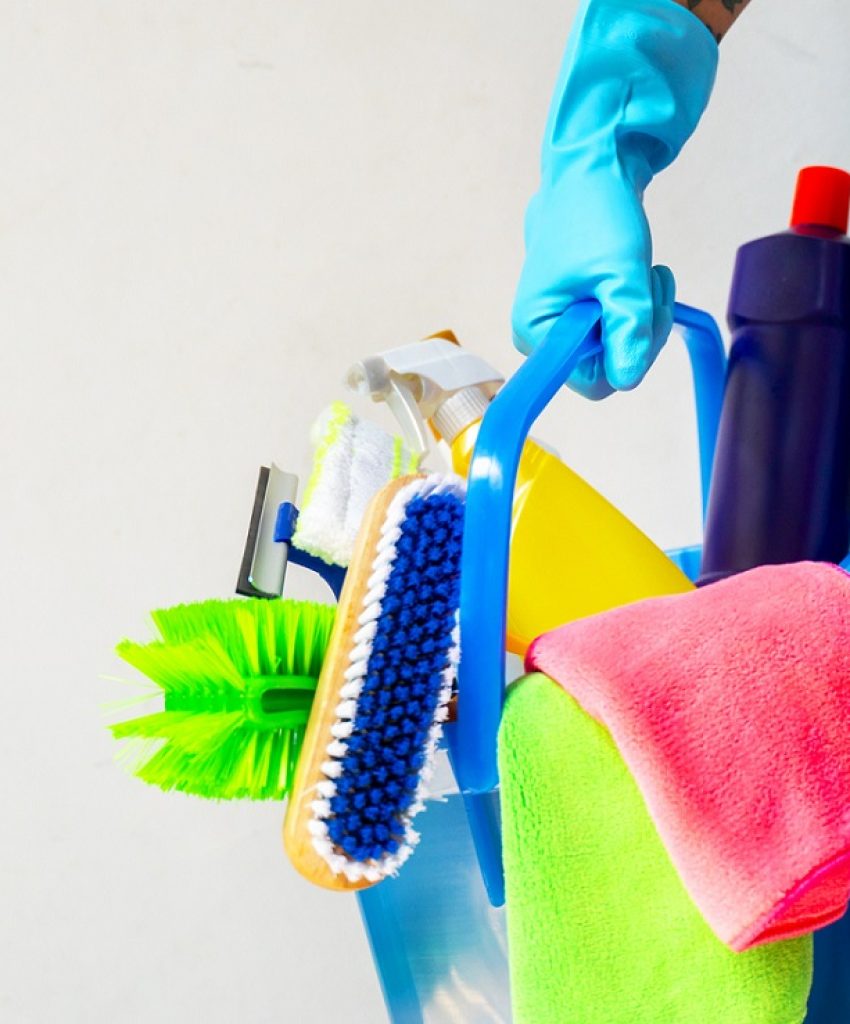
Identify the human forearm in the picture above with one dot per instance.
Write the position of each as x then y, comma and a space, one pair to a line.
717, 15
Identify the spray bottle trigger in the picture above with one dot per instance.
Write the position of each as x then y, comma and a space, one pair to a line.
406, 410
375, 378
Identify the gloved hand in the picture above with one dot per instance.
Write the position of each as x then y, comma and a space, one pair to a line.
635, 80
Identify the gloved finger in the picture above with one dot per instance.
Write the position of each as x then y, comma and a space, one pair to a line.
628, 325
663, 301
590, 382
588, 378
535, 310
528, 332
533, 316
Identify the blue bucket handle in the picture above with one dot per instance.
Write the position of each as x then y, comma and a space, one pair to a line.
489, 502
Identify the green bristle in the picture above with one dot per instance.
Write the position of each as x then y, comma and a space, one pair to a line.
237, 678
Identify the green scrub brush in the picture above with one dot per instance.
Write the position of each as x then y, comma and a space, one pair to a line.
238, 679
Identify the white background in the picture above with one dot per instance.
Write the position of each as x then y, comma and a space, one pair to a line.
207, 211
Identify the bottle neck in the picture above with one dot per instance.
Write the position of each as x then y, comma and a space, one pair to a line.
460, 411
819, 231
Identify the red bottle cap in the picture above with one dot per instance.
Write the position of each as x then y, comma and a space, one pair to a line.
822, 199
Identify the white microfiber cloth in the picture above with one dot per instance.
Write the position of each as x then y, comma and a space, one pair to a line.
353, 460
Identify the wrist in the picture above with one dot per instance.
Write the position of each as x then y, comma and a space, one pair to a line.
716, 15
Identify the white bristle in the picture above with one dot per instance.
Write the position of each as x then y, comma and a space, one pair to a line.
352, 690
375, 594
356, 670
366, 633
324, 847
346, 709
337, 863
384, 558
379, 570
342, 730
390, 532
361, 652
352, 869
370, 613
396, 510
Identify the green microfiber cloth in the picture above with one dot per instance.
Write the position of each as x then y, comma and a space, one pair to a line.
600, 928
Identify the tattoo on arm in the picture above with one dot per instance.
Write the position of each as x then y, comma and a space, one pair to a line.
716, 15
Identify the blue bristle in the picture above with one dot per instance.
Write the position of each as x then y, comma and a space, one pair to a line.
401, 687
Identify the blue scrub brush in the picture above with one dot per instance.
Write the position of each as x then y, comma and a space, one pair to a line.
384, 689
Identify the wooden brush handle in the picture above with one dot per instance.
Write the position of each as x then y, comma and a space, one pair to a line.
296, 837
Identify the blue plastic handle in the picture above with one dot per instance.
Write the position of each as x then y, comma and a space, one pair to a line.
489, 503
484, 819
708, 370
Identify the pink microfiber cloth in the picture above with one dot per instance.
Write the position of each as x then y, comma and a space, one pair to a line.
731, 707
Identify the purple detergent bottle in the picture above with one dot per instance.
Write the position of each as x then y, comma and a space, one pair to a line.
780, 489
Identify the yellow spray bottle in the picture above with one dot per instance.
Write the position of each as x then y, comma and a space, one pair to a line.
572, 552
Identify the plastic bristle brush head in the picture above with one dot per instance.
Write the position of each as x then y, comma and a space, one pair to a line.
237, 680
387, 680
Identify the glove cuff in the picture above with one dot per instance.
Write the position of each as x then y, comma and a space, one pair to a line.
636, 77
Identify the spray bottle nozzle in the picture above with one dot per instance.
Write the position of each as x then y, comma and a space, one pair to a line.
374, 377
417, 380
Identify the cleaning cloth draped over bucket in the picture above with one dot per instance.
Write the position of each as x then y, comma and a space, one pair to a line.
731, 707
600, 928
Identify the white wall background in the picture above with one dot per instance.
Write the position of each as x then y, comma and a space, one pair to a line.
207, 210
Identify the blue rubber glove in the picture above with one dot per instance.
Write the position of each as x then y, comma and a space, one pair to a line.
635, 80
